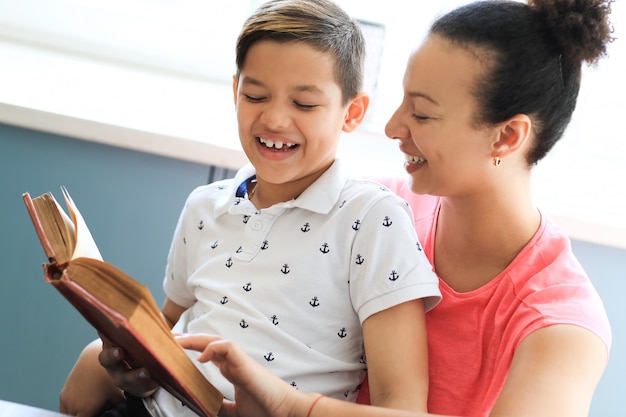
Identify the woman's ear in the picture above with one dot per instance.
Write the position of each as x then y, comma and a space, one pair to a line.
356, 112
513, 135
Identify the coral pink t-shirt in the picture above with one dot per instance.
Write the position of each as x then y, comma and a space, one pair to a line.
472, 336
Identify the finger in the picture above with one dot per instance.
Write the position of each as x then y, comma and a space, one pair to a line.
111, 357
197, 342
229, 409
137, 382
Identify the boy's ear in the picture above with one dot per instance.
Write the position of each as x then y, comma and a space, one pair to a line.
513, 135
235, 85
356, 112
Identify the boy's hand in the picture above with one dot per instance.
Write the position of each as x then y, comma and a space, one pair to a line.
88, 388
258, 392
136, 382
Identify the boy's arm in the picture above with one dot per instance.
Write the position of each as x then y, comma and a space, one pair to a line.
171, 312
397, 357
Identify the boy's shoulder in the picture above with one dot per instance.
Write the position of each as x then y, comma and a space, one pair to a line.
367, 189
217, 190
367, 193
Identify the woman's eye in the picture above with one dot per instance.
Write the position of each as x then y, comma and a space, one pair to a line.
420, 117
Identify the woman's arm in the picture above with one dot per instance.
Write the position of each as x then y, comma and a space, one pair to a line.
88, 387
259, 393
554, 373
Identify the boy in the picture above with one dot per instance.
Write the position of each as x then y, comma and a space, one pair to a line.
291, 257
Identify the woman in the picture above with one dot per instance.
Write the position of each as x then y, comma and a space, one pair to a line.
520, 330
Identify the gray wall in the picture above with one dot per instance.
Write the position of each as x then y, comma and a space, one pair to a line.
131, 201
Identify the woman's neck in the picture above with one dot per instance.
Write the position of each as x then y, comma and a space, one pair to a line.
478, 237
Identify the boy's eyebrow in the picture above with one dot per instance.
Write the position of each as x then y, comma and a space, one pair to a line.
301, 88
415, 94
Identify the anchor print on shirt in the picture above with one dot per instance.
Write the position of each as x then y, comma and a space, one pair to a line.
314, 302
285, 269
356, 225
324, 248
229, 262
274, 320
245, 219
387, 221
265, 245
306, 227
243, 324
269, 356
419, 247
215, 244
293, 384
224, 300
201, 225
247, 287
342, 333
394, 276
359, 259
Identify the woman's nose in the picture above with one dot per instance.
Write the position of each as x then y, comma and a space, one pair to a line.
395, 129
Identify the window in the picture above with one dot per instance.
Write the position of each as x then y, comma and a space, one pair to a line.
584, 174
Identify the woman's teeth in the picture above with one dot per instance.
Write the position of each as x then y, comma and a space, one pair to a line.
415, 160
276, 145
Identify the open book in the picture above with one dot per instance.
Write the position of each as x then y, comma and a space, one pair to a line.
120, 308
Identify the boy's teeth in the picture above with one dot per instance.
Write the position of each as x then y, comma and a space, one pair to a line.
276, 145
414, 159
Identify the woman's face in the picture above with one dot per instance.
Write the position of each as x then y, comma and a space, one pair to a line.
446, 153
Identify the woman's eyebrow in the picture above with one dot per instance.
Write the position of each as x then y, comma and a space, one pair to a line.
416, 94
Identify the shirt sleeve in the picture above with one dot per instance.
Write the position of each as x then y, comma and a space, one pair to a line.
389, 266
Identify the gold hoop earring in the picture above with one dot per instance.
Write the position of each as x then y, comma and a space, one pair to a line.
497, 161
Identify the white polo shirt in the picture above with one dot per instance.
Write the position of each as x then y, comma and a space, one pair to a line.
292, 283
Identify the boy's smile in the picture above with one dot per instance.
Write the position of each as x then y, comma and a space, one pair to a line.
290, 114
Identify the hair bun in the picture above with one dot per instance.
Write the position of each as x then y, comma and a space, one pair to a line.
581, 27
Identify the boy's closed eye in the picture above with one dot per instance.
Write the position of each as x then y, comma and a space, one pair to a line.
253, 99
304, 106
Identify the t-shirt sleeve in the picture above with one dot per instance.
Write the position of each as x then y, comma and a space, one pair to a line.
175, 282
389, 266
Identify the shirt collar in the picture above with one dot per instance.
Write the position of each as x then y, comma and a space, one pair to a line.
319, 197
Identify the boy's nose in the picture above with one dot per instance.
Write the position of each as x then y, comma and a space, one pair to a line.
275, 116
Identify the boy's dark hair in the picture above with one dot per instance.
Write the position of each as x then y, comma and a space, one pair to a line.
533, 56
321, 24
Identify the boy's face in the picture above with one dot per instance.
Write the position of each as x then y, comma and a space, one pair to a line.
290, 115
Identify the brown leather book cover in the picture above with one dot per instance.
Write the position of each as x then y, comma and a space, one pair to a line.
122, 310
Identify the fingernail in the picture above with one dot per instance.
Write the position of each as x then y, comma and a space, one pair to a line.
143, 374
116, 353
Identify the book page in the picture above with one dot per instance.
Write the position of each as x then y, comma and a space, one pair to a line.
85, 245
68, 233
